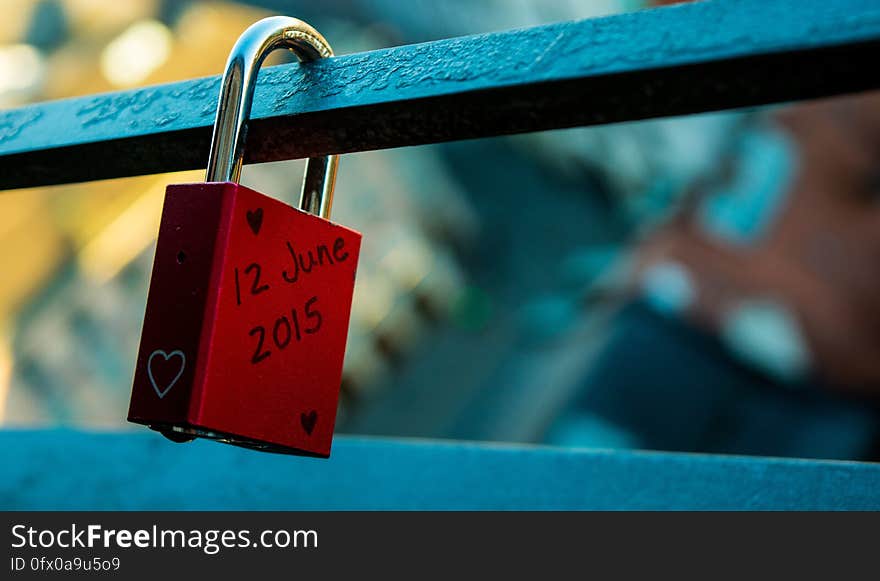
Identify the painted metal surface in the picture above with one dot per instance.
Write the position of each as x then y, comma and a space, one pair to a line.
246, 321
76, 470
668, 61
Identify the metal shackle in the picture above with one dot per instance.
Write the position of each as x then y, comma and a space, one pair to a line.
236, 99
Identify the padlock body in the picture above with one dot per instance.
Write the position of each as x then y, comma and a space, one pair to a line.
246, 321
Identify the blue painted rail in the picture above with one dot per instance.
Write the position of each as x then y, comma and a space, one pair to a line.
77, 470
667, 61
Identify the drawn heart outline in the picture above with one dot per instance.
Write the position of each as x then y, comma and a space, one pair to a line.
166, 356
308, 421
255, 220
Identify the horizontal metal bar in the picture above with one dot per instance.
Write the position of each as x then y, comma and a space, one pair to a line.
63, 469
668, 61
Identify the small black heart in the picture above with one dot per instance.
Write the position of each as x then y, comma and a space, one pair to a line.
308, 421
255, 219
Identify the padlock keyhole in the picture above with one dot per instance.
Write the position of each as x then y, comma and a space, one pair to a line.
181, 257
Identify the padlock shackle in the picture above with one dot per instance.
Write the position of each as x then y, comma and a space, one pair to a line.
236, 100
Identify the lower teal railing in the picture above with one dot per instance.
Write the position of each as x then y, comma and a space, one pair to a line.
70, 470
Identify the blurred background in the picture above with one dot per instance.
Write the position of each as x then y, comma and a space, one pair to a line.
700, 284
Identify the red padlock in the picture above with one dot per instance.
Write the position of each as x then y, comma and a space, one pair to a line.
249, 304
